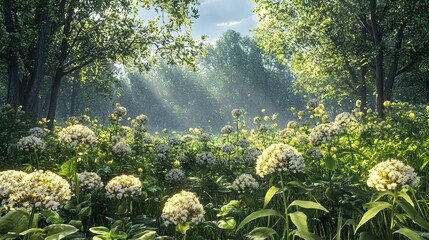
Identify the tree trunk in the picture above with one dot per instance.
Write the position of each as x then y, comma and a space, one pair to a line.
11, 57
379, 71
39, 71
73, 99
395, 60
362, 89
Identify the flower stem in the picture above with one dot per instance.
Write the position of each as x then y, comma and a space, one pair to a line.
30, 222
392, 216
286, 229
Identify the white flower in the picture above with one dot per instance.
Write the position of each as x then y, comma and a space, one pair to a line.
37, 132
42, 189
345, 119
245, 182
175, 176
183, 207
205, 138
242, 143
314, 153
10, 180
205, 158
31, 143
89, 181
76, 135
227, 148
123, 186
119, 110
292, 125
227, 129
142, 119
236, 113
323, 133
279, 158
391, 175
121, 149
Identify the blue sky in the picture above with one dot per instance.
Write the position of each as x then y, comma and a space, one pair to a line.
217, 16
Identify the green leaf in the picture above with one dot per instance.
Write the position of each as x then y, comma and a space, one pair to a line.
307, 235
379, 195
409, 234
299, 185
183, 227
14, 221
99, 230
31, 230
58, 231
146, 235
68, 169
261, 233
300, 220
308, 204
259, 214
226, 209
330, 162
413, 214
85, 212
269, 195
406, 197
76, 223
227, 223
376, 208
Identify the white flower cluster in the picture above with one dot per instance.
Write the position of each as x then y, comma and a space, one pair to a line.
323, 133
141, 119
245, 182
237, 112
205, 138
227, 129
315, 153
205, 158
227, 148
181, 208
121, 148
123, 131
279, 157
174, 142
345, 119
123, 186
31, 143
10, 180
391, 175
89, 181
75, 135
237, 160
252, 154
140, 131
37, 132
41, 189
119, 110
312, 104
186, 138
292, 125
175, 176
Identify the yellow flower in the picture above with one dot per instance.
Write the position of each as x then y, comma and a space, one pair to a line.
411, 115
387, 104
266, 118
176, 163
358, 103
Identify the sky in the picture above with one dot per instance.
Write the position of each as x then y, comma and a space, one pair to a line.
217, 16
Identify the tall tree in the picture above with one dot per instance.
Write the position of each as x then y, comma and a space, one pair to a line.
344, 43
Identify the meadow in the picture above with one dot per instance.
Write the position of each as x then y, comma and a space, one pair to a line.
346, 176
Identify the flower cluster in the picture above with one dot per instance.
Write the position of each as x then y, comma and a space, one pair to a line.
76, 135
242, 143
279, 157
245, 182
238, 112
292, 125
315, 153
174, 142
181, 208
227, 148
31, 143
140, 120
37, 132
391, 175
323, 133
41, 189
121, 148
205, 158
10, 180
119, 110
345, 119
123, 186
186, 138
89, 181
205, 138
252, 154
175, 176
227, 129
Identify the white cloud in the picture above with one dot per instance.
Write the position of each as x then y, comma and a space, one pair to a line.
228, 24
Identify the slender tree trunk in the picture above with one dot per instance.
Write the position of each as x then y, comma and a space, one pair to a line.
395, 60
427, 89
11, 57
379, 71
39, 71
362, 89
73, 99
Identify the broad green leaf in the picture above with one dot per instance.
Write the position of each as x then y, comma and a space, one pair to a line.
183, 227
300, 220
379, 195
226, 209
308, 204
413, 214
14, 221
85, 212
58, 231
227, 223
99, 230
269, 195
259, 214
146, 235
330, 162
376, 208
366, 236
406, 197
31, 230
307, 235
261, 233
299, 185
409, 234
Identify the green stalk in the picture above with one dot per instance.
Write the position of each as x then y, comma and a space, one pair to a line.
286, 229
392, 216
30, 222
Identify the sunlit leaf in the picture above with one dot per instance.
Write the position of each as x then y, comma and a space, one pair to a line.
308, 204
259, 214
261, 233
269, 195
376, 208
409, 234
